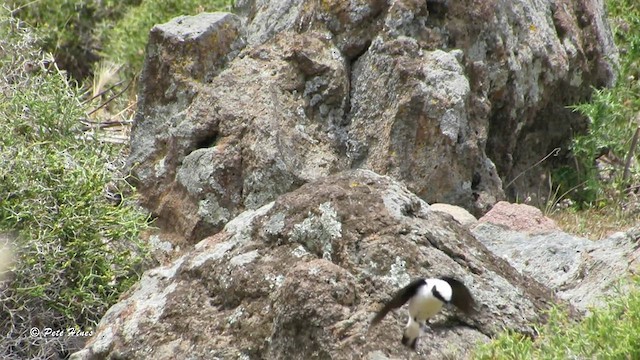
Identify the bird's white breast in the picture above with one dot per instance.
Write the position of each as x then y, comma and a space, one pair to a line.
424, 304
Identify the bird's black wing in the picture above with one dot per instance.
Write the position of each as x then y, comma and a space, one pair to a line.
460, 295
399, 299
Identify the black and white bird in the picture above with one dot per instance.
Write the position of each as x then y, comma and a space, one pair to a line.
426, 297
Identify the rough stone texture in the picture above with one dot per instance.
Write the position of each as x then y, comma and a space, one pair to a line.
433, 93
181, 57
418, 129
301, 278
459, 214
551, 53
581, 271
519, 217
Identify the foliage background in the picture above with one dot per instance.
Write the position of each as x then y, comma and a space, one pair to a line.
75, 249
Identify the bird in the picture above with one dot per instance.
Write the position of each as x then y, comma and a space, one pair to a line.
426, 298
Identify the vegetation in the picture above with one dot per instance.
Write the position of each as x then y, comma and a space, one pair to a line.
594, 223
75, 251
124, 43
66, 28
614, 117
84, 33
607, 333
101, 43
601, 206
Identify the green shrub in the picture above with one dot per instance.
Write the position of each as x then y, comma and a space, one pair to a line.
609, 332
612, 116
76, 252
66, 28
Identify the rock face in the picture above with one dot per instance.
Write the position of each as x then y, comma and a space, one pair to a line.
447, 96
182, 56
301, 278
581, 271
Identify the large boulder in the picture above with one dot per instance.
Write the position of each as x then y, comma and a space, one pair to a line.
301, 278
447, 96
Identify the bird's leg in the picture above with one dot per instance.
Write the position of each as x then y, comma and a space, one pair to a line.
411, 333
424, 327
405, 340
408, 342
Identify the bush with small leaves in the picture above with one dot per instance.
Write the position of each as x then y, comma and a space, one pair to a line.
75, 252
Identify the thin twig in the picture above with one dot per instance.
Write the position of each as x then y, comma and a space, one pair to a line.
557, 199
105, 124
631, 153
111, 98
127, 108
553, 152
103, 92
16, 10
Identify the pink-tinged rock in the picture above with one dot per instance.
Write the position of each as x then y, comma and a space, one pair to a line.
519, 217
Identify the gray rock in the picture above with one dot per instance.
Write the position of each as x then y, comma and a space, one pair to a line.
448, 96
181, 54
579, 270
301, 277
418, 130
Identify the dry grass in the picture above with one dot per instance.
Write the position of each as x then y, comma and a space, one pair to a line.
595, 224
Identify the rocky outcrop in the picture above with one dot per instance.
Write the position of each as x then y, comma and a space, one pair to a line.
301, 278
181, 56
447, 96
459, 214
581, 271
